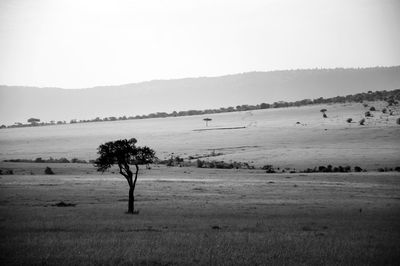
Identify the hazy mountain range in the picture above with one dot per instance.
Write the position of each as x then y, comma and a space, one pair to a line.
18, 103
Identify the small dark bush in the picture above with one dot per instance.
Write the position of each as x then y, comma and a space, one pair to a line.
368, 114
357, 169
199, 163
324, 116
349, 120
6, 172
384, 110
397, 168
372, 108
362, 122
269, 169
48, 171
64, 204
365, 105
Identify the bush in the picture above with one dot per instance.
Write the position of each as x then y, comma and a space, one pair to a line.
199, 163
349, 120
324, 116
384, 110
357, 169
368, 114
362, 122
397, 168
269, 169
48, 171
372, 108
6, 172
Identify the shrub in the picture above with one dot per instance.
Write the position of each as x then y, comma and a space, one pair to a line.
269, 169
372, 108
368, 114
199, 163
349, 120
397, 168
362, 122
48, 171
357, 169
324, 116
384, 110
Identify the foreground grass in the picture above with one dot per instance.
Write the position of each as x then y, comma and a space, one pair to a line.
203, 217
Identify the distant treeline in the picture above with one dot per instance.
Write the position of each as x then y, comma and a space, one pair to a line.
391, 97
50, 160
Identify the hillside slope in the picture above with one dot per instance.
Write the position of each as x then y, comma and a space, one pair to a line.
21, 103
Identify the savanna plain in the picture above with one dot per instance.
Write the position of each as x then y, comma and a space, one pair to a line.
208, 216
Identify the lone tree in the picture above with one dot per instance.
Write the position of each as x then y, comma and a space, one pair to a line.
33, 120
124, 153
207, 120
323, 113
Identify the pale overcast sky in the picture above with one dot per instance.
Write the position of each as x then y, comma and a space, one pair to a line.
77, 44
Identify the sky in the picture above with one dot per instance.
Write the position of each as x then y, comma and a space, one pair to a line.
79, 44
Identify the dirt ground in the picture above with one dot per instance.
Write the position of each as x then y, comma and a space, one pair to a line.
192, 216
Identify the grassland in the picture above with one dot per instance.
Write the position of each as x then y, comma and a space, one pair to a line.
195, 216
270, 136
199, 216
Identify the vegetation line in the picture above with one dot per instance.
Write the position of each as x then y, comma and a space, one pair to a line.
392, 97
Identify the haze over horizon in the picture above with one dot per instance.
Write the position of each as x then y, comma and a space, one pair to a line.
81, 44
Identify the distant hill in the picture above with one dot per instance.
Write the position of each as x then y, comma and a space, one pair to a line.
17, 104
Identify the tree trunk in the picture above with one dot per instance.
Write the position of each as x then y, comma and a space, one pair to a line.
131, 200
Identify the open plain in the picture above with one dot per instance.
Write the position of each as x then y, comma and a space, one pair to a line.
190, 215
199, 216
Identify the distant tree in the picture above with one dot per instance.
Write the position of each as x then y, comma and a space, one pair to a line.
349, 120
323, 113
33, 121
264, 106
207, 120
124, 153
362, 121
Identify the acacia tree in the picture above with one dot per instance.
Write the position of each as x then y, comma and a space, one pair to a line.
124, 153
207, 120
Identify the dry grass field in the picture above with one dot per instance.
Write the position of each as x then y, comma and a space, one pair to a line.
198, 216
270, 136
